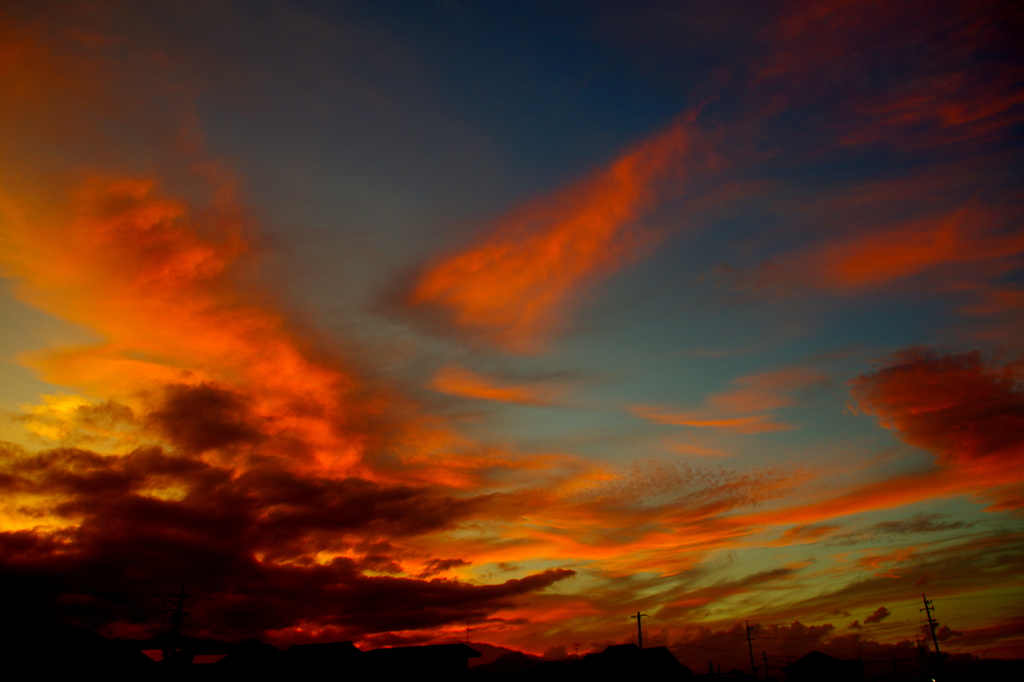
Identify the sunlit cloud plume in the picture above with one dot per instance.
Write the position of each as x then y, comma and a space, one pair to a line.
512, 286
154, 280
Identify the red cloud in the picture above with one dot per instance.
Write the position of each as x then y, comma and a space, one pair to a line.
969, 412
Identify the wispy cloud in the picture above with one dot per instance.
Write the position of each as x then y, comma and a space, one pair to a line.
974, 243
746, 409
459, 381
511, 286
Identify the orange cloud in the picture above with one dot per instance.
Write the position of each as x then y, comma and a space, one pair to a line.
462, 382
730, 409
894, 492
876, 258
754, 424
976, 243
155, 280
511, 286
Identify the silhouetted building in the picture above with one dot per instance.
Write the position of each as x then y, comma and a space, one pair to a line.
436, 661
516, 665
57, 652
251, 660
621, 660
817, 666
734, 674
325, 655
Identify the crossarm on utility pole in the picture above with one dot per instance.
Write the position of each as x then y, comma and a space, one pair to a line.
639, 628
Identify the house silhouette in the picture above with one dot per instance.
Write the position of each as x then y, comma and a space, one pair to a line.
620, 660
253, 659
817, 666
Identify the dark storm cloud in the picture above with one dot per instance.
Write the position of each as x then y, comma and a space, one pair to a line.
879, 614
204, 417
245, 545
435, 566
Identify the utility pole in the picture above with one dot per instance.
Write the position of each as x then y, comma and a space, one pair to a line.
577, 646
922, 653
765, 657
932, 623
750, 648
178, 613
639, 628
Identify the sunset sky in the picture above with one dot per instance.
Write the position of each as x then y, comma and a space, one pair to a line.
408, 322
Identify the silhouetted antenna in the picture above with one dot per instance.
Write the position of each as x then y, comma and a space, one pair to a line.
577, 647
178, 613
932, 623
639, 628
750, 648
